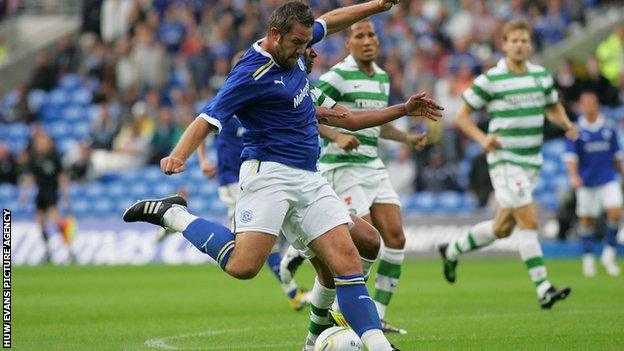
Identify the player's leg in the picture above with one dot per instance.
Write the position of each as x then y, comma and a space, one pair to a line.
611, 195
587, 209
387, 219
480, 235
531, 253
337, 250
55, 216
296, 296
322, 296
40, 216
586, 236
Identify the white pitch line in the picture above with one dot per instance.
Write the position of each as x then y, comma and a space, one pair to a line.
164, 342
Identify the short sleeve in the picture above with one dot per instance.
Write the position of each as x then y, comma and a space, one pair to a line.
237, 91
478, 95
319, 31
551, 94
321, 99
571, 153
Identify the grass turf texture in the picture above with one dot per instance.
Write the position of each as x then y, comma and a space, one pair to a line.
491, 307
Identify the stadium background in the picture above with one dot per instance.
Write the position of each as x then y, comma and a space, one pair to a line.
120, 80
105, 76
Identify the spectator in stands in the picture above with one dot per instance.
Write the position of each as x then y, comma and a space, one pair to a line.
568, 84
44, 75
402, 171
115, 19
610, 53
448, 92
126, 68
439, 175
607, 94
162, 140
105, 129
552, 27
77, 162
8, 165
45, 170
67, 58
149, 59
130, 151
17, 108
171, 32
461, 22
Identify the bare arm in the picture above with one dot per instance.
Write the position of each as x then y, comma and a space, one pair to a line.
209, 169
557, 115
468, 127
416, 105
572, 166
194, 134
344, 141
390, 132
341, 18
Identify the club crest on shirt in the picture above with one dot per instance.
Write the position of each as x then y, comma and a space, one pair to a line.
301, 65
246, 216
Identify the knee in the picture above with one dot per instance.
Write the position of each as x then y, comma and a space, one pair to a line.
502, 231
367, 243
350, 263
394, 238
242, 271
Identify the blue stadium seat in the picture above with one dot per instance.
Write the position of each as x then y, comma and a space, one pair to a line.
81, 97
70, 82
139, 190
59, 98
424, 202
449, 200
74, 113
95, 189
554, 149
38, 99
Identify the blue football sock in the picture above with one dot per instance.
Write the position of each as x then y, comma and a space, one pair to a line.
211, 238
356, 304
610, 238
586, 236
274, 263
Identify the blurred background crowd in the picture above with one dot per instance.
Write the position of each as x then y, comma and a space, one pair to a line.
116, 96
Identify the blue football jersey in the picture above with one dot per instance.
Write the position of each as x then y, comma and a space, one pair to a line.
595, 150
229, 145
274, 105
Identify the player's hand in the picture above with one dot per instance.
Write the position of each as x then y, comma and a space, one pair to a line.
387, 4
576, 181
572, 133
170, 165
346, 142
324, 114
491, 143
417, 140
209, 169
420, 105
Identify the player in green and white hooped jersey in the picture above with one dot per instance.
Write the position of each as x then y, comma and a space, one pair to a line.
358, 175
517, 95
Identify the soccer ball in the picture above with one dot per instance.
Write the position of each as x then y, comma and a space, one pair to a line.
338, 339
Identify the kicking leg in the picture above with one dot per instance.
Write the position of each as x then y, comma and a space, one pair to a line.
337, 250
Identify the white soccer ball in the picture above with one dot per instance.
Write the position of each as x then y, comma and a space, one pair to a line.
338, 339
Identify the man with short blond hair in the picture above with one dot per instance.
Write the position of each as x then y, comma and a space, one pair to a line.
517, 95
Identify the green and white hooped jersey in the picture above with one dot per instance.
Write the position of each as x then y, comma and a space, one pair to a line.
356, 90
516, 106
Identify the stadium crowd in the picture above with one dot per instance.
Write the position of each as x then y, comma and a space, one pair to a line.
148, 66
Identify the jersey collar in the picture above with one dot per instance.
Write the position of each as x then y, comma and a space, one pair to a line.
592, 127
350, 62
263, 52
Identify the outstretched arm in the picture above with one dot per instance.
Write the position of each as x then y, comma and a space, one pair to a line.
341, 18
194, 134
417, 105
415, 140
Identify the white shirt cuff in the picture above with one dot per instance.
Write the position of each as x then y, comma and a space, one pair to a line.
324, 24
211, 120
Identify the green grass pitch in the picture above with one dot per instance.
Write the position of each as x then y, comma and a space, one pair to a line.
491, 307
